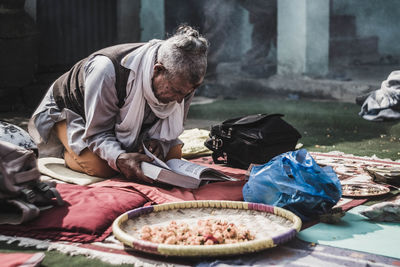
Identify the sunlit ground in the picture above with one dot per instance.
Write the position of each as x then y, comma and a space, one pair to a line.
324, 126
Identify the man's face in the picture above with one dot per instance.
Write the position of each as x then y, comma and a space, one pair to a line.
168, 89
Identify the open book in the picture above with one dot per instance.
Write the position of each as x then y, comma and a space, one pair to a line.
180, 172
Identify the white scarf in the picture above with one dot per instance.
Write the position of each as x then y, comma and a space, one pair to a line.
139, 90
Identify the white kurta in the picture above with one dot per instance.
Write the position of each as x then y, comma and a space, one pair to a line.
101, 110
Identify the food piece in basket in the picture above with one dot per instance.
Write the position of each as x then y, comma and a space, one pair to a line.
206, 232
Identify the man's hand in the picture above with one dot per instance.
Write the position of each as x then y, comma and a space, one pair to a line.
129, 165
154, 147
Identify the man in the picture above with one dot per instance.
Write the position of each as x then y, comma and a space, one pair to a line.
101, 111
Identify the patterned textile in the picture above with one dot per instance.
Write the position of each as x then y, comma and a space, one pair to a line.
15, 135
348, 167
294, 253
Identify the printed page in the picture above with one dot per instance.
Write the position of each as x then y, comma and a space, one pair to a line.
185, 167
150, 171
156, 160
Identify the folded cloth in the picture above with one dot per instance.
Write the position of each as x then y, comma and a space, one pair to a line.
193, 140
90, 210
229, 190
86, 216
21, 259
384, 103
383, 212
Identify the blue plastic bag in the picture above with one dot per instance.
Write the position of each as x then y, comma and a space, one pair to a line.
294, 181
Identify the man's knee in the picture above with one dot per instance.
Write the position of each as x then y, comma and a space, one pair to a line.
100, 169
89, 163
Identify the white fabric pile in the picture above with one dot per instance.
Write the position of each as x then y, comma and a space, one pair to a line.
384, 103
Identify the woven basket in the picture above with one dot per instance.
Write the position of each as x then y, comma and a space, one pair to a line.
270, 225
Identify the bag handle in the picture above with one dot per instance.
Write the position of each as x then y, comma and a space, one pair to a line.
215, 156
50, 192
26, 176
249, 119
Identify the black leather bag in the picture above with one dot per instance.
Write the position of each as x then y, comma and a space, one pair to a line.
250, 139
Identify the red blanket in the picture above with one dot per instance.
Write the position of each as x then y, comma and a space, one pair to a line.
90, 210
85, 217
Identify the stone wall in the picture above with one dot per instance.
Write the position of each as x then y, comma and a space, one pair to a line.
374, 18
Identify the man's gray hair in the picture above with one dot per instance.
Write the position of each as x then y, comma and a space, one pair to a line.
185, 53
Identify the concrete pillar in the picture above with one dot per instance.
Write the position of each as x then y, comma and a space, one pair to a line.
245, 28
152, 20
303, 37
128, 21
30, 8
